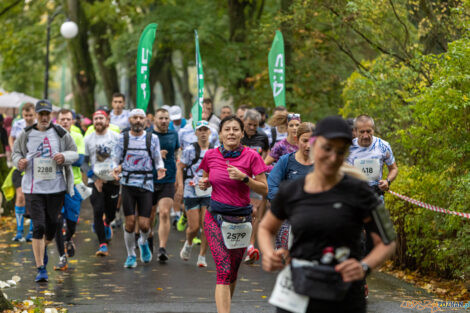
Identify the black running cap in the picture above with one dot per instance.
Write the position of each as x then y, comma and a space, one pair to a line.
332, 127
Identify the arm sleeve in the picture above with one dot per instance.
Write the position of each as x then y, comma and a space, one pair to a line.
17, 153
258, 166
79, 160
277, 175
157, 158
278, 204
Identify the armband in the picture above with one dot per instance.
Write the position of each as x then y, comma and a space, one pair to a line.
384, 224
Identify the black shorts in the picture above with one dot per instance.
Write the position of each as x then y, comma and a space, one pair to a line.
44, 210
130, 196
16, 178
165, 190
196, 203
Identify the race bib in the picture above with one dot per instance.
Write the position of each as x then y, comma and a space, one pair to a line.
104, 170
203, 193
370, 168
44, 168
284, 296
236, 235
83, 190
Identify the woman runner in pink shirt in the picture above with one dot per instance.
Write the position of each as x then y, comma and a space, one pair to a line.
231, 170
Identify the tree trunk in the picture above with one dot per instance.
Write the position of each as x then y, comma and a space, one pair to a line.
161, 71
83, 75
4, 303
286, 34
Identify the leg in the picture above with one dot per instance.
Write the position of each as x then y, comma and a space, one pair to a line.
59, 236
98, 202
37, 208
253, 253
164, 206
223, 298
203, 249
19, 211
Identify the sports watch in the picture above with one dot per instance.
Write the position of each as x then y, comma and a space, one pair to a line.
365, 268
246, 179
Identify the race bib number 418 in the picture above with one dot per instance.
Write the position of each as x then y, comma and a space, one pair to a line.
369, 167
44, 168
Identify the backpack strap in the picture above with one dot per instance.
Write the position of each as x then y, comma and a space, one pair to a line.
59, 130
126, 144
148, 143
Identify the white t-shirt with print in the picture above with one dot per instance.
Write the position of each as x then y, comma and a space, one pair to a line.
100, 148
121, 120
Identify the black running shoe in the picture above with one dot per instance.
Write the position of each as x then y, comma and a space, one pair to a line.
162, 255
70, 248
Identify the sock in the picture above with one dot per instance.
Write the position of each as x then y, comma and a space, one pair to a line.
143, 237
129, 239
19, 213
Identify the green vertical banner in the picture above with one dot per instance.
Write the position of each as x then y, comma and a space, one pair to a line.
277, 76
196, 110
144, 54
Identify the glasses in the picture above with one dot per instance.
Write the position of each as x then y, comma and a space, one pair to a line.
202, 123
293, 116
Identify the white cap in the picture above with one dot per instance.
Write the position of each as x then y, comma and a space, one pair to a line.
136, 112
166, 107
175, 113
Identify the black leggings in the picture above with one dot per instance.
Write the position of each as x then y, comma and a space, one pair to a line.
60, 237
44, 210
104, 202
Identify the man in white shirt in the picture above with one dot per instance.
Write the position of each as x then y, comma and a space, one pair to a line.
118, 115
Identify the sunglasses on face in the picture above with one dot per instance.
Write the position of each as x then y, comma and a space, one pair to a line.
293, 116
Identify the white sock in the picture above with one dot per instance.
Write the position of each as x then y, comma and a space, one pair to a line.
143, 237
129, 239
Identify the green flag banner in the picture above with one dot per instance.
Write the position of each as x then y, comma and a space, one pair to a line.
276, 62
196, 110
144, 54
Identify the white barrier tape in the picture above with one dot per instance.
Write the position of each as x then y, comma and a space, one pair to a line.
429, 206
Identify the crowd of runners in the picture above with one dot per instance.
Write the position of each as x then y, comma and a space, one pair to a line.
306, 194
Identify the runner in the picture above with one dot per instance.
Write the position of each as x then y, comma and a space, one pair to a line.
257, 140
289, 167
208, 112
164, 189
327, 210
176, 117
98, 164
225, 111
45, 152
265, 127
72, 204
29, 118
118, 115
196, 201
241, 111
369, 154
288, 144
137, 152
229, 170
111, 126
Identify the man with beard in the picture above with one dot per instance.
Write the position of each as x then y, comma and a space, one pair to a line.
45, 152
137, 152
29, 118
164, 188
98, 165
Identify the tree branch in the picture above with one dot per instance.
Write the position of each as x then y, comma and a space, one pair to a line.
11, 6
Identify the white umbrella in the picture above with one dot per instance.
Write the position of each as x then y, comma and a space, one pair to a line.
15, 99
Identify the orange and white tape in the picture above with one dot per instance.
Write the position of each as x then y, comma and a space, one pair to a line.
430, 206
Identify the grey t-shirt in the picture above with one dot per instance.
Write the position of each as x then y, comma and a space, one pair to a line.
42, 145
100, 148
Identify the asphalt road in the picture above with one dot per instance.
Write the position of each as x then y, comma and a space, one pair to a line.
97, 284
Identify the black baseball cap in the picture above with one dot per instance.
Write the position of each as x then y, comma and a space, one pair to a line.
332, 127
43, 105
261, 110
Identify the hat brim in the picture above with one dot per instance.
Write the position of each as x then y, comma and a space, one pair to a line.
203, 126
44, 109
335, 135
175, 117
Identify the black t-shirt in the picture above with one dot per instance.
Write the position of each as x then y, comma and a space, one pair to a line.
259, 141
331, 218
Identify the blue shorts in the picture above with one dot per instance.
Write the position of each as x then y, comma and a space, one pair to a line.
72, 206
196, 203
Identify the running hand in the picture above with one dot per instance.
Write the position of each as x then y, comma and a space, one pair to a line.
383, 185
116, 172
99, 185
163, 153
350, 270
59, 158
22, 164
234, 173
161, 173
204, 183
275, 260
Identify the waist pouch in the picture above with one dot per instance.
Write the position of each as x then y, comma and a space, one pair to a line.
320, 282
219, 218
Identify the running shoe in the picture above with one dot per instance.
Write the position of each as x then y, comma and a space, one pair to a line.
103, 250
150, 241
145, 253
19, 237
116, 223
70, 248
182, 222
42, 275
201, 261
185, 252
252, 256
196, 241
131, 262
162, 255
108, 232
62, 265
29, 236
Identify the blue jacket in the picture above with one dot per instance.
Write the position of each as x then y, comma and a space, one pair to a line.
183, 124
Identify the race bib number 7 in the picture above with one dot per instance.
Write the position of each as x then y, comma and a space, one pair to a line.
369, 167
236, 235
44, 168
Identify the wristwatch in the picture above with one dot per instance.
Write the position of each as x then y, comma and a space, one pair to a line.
365, 268
389, 182
246, 179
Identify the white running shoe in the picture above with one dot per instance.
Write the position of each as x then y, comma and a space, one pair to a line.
185, 251
201, 261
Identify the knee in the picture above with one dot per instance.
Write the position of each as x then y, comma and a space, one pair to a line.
39, 230
164, 215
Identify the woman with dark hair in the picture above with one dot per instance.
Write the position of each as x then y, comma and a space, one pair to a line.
291, 166
327, 210
231, 170
289, 144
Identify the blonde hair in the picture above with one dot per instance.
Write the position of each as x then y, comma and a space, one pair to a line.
304, 128
278, 119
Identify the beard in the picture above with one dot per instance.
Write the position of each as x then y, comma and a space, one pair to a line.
137, 127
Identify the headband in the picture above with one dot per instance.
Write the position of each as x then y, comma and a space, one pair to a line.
103, 112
